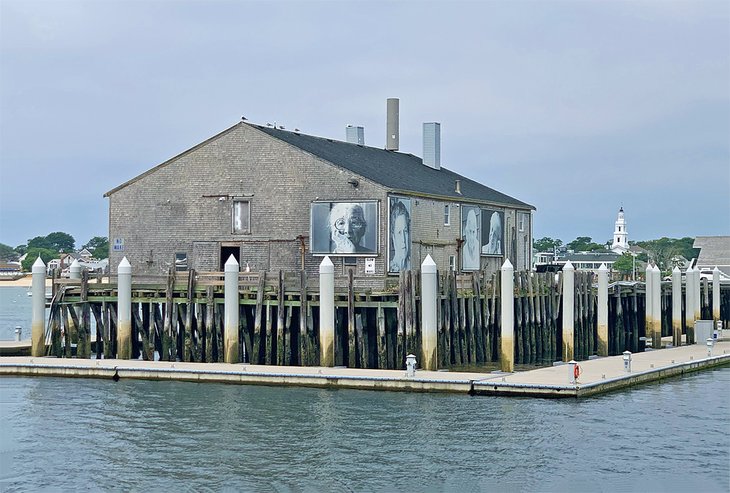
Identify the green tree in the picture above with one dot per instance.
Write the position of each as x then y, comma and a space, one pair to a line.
584, 244
38, 242
7, 253
663, 250
46, 256
61, 242
98, 246
546, 244
624, 264
21, 249
58, 242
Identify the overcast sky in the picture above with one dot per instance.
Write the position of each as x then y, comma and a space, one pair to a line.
575, 107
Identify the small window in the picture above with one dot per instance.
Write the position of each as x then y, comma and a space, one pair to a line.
523, 220
447, 215
350, 260
452, 263
241, 217
181, 261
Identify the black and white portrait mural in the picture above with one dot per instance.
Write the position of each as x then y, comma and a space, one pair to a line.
471, 224
399, 234
344, 228
493, 232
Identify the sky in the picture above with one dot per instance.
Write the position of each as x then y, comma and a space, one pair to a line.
575, 107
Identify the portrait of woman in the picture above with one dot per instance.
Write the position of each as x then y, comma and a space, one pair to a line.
492, 238
399, 244
470, 229
344, 227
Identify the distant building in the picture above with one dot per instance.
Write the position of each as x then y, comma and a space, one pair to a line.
620, 235
714, 252
589, 260
269, 197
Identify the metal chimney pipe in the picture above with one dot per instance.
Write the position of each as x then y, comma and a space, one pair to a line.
392, 138
432, 145
355, 135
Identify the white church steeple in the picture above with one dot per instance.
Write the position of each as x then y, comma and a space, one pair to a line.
620, 236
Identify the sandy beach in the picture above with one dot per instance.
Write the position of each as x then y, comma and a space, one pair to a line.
22, 282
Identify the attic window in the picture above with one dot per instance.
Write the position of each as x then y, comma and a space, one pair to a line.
181, 261
241, 216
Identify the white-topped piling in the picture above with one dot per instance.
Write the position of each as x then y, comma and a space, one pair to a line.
697, 285
38, 290
715, 295
74, 271
648, 299
568, 311
507, 317
429, 299
231, 302
656, 307
676, 307
124, 309
602, 310
326, 312
689, 308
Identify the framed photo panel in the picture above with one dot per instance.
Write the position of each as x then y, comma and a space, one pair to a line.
471, 227
493, 232
344, 228
399, 234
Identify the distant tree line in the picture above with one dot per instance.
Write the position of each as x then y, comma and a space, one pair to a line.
50, 247
665, 252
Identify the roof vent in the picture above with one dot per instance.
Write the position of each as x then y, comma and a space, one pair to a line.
432, 145
391, 139
457, 188
355, 135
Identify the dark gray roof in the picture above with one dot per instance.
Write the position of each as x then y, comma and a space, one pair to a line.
591, 257
714, 251
394, 170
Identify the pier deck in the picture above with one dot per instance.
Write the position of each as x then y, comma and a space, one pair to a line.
598, 375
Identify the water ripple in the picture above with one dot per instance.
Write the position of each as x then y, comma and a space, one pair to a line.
70, 435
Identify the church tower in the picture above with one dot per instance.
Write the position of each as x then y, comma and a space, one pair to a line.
620, 236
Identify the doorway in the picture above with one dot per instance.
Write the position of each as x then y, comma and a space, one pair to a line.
226, 252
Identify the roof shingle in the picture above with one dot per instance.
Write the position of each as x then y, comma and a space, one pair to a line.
394, 170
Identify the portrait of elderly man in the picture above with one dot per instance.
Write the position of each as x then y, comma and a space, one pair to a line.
399, 253
492, 244
471, 238
347, 227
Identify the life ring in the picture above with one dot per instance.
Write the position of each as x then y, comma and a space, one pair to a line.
576, 371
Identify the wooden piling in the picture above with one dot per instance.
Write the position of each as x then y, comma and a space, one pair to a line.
280, 322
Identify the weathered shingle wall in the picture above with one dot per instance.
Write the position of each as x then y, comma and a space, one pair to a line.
177, 205
185, 206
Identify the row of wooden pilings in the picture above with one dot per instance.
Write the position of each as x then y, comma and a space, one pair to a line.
522, 322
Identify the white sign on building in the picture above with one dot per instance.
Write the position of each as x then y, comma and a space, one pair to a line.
118, 245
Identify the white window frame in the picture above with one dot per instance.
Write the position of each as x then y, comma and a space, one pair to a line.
241, 230
452, 263
181, 267
447, 214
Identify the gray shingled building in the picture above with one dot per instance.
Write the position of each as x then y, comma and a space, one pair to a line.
277, 199
714, 252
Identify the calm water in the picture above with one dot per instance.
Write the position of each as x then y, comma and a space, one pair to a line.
97, 435
70, 435
15, 309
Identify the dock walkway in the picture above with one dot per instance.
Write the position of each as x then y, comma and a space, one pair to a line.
597, 376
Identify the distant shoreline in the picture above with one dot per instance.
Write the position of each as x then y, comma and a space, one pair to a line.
23, 282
